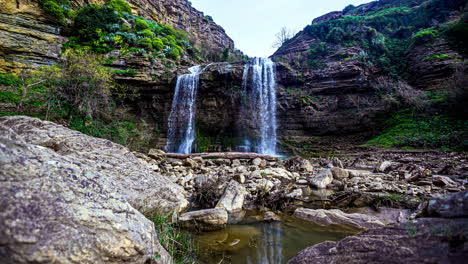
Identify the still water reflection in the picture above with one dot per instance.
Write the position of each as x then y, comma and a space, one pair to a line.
262, 242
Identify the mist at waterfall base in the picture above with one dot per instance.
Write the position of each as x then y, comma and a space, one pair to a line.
258, 126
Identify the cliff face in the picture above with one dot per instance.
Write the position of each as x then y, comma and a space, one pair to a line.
29, 37
339, 91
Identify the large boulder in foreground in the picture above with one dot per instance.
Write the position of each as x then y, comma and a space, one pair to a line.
112, 165
59, 207
423, 241
337, 217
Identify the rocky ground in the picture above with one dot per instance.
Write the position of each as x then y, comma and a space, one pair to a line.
57, 184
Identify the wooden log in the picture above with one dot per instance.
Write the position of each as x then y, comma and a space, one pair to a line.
222, 155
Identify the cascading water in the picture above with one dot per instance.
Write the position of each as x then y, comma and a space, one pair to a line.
259, 105
181, 125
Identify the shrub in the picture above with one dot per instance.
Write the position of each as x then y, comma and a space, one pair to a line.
125, 27
316, 52
145, 43
425, 36
147, 33
457, 35
53, 9
174, 53
158, 44
336, 35
208, 18
120, 6
168, 30
140, 24
347, 9
92, 18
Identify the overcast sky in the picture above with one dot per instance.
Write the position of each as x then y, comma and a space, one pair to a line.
252, 24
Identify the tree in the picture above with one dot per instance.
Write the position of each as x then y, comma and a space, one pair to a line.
81, 83
282, 36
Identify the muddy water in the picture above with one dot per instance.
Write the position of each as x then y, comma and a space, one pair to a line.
256, 242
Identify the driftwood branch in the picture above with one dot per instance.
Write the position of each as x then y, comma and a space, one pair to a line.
222, 155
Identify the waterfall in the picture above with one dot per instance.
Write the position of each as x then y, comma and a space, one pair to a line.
181, 124
259, 105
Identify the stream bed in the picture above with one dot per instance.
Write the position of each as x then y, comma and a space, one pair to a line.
257, 242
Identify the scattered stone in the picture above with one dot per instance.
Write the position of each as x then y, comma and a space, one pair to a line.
157, 155
451, 205
233, 197
337, 217
384, 166
321, 179
339, 173
188, 162
205, 220
236, 162
271, 217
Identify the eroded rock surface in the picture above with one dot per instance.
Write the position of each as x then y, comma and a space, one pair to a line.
337, 217
114, 165
205, 220
59, 204
423, 241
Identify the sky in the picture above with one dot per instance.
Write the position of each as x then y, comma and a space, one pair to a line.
253, 24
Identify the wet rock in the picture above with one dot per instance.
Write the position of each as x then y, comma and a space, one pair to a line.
339, 173
451, 205
337, 217
323, 178
425, 240
382, 167
271, 217
443, 181
62, 204
233, 197
205, 220
298, 164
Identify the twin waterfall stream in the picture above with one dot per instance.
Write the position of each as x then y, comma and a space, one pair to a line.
246, 242
258, 108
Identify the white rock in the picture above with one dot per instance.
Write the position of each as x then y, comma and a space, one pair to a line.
321, 179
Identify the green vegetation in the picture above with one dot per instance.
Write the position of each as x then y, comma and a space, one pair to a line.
387, 34
59, 9
80, 94
103, 28
120, 6
178, 243
408, 129
126, 72
438, 56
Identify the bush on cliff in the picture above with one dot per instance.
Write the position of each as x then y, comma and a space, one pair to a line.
120, 6
92, 18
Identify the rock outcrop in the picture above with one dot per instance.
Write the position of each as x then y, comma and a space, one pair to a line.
205, 220
29, 37
431, 240
337, 217
67, 198
114, 165
424, 240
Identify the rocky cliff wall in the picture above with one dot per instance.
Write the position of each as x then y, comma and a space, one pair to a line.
29, 37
